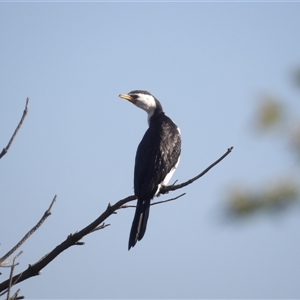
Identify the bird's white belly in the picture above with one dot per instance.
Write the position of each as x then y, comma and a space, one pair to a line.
168, 177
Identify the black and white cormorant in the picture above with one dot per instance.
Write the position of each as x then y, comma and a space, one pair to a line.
156, 160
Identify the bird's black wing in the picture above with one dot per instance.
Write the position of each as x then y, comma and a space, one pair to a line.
157, 154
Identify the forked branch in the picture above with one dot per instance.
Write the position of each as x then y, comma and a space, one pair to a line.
74, 239
168, 188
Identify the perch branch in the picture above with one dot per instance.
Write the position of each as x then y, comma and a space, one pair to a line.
4, 151
74, 239
71, 240
168, 188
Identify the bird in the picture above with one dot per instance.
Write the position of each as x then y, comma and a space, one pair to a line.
156, 160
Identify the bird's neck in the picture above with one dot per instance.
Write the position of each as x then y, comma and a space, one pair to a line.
155, 116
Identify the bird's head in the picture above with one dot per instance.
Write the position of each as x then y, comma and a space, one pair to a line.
143, 100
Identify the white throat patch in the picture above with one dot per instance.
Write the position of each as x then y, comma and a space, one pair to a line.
147, 103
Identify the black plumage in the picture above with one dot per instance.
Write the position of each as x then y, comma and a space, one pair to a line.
156, 159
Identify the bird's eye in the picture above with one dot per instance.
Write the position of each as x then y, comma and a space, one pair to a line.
134, 96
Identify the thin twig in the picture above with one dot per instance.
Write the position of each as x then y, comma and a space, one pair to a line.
16, 297
102, 226
168, 188
4, 151
29, 233
168, 200
5, 264
11, 276
154, 203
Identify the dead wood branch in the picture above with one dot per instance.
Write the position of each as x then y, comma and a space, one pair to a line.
168, 188
4, 151
28, 234
74, 239
155, 203
10, 277
71, 240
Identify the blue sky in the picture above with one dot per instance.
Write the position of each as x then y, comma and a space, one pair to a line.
208, 64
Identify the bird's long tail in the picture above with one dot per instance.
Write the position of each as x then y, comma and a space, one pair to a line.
139, 222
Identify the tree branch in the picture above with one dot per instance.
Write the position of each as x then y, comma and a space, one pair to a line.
71, 240
10, 277
74, 239
155, 203
168, 188
29, 233
4, 151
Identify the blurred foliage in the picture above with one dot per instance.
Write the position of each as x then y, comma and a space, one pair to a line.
295, 140
272, 115
277, 197
297, 77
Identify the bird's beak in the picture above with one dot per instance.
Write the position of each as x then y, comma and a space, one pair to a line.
127, 97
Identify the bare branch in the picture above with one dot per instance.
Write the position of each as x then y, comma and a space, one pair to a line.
154, 203
10, 277
71, 240
74, 239
8, 289
168, 200
168, 188
29, 233
6, 263
4, 151
15, 296
102, 226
